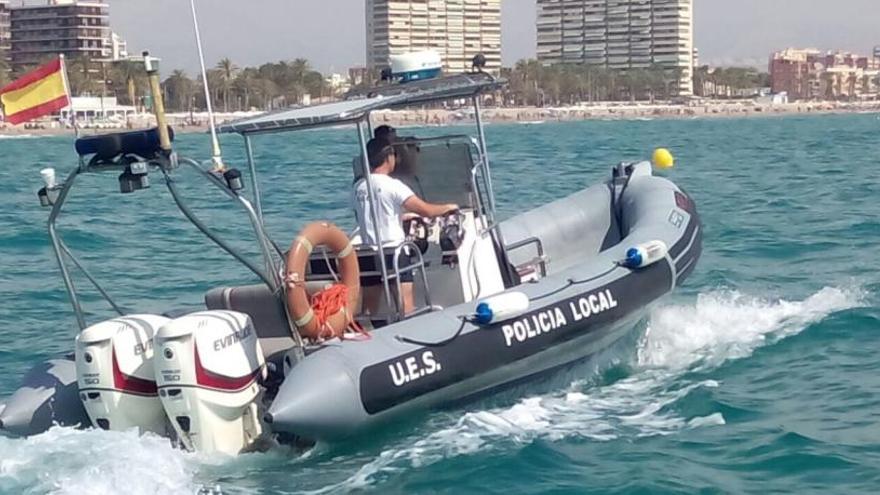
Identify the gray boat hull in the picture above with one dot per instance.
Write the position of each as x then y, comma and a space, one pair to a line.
585, 304
47, 397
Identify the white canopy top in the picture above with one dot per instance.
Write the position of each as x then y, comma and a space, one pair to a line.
360, 103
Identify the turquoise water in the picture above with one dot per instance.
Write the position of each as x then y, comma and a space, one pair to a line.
760, 375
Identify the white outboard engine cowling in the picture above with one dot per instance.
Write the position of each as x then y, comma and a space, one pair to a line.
208, 369
115, 377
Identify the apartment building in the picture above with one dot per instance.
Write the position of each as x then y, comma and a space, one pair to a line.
809, 74
70, 27
4, 28
618, 34
457, 29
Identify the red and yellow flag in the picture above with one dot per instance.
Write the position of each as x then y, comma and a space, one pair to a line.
40, 92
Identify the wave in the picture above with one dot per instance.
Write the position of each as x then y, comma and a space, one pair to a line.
726, 325
720, 326
18, 136
717, 327
66, 461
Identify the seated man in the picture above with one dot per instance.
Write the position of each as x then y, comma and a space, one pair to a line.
384, 133
393, 198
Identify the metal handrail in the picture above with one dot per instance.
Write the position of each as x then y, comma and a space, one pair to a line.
255, 183
90, 278
374, 213
272, 276
204, 229
539, 248
59, 251
420, 265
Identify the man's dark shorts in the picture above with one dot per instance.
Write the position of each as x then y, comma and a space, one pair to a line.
368, 264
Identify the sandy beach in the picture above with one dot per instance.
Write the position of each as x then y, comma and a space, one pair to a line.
184, 123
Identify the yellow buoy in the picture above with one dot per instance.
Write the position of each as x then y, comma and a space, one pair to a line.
663, 159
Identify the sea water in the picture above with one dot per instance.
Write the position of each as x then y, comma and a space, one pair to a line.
759, 375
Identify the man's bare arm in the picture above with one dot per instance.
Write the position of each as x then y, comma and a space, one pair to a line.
416, 204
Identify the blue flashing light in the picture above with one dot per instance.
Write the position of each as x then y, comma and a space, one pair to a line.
484, 314
633, 258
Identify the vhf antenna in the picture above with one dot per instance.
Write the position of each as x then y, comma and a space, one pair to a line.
216, 154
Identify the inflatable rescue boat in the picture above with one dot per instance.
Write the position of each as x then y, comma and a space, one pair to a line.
497, 302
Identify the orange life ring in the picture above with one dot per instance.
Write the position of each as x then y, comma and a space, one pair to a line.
316, 319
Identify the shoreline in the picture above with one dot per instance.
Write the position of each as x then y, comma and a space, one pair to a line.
606, 111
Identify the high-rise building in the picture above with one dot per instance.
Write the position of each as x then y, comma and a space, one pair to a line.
71, 27
4, 29
118, 47
619, 34
457, 29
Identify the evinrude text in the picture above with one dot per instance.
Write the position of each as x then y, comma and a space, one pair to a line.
233, 338
140, 349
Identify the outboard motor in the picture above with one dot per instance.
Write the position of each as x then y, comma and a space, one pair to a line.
114, 370
208, 369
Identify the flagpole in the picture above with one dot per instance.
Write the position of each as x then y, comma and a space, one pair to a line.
152, 66
69, 95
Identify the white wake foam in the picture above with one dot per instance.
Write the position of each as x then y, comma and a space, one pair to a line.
66, 461
729, 325
18, 136
718, 327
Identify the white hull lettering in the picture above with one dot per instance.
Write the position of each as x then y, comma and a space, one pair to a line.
549, 320
413, 368
533, 326
593, 304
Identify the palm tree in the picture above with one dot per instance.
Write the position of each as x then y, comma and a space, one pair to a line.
702, 77
244, 84
126, 76
227, 71
79, 75
638, 81
671, 78
526, 78
215, 85
268, 92
180, 90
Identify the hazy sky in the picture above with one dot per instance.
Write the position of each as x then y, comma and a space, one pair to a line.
330, 33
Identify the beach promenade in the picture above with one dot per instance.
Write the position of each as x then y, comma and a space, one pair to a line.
197, 122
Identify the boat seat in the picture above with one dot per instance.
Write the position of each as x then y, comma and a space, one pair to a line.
266, 309
143, 143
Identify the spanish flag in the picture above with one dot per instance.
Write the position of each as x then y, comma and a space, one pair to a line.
40, 92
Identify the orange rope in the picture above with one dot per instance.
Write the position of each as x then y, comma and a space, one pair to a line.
327, 303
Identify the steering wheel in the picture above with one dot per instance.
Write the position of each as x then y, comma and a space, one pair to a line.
417, 231
455, 217
451, 230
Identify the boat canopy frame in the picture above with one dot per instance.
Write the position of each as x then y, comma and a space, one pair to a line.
167, 165
357, 110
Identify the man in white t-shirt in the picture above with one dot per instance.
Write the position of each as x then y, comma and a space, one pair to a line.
394, 198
